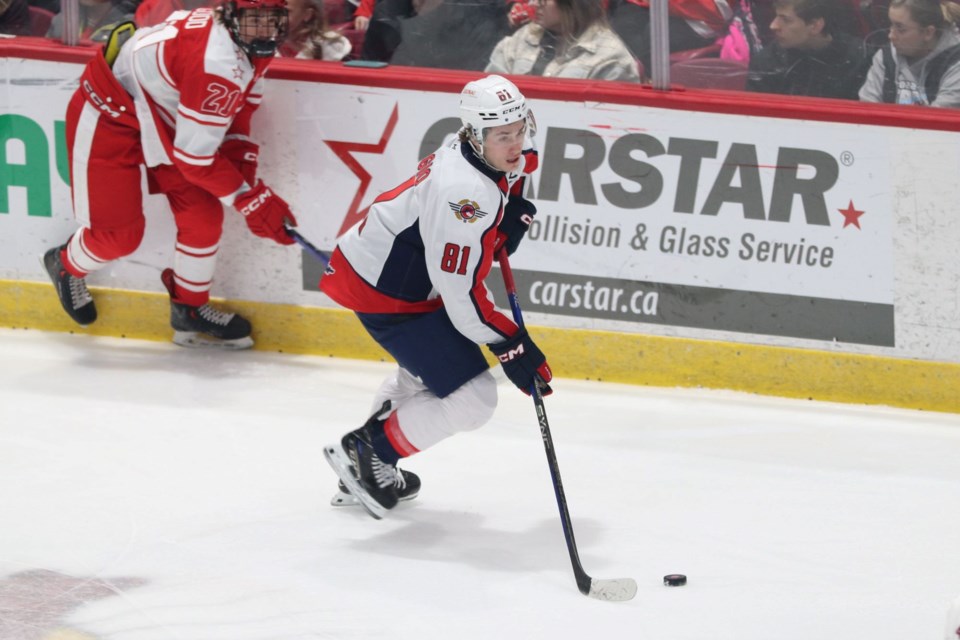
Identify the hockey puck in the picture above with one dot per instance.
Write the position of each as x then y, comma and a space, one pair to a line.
675, 580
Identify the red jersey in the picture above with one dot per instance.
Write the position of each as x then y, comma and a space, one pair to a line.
193, 88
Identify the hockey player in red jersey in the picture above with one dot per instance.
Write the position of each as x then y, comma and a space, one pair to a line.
177, 98
413, 271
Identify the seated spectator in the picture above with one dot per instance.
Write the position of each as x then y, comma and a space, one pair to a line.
921, 65
567, 39
151, 12
309, 36
693, 24
452, 35
53, 6
851, 16
362, 14
15, 17
809, 56
380, 21
97, 20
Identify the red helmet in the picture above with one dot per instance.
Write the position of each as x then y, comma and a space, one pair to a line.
238, 16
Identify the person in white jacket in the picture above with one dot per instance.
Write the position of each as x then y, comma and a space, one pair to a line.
921, 65
567, 39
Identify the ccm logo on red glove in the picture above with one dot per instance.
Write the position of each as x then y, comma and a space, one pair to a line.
258, 200
266, 213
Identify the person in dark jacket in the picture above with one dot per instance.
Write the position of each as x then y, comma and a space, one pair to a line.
14, 17
452, 34
809, 55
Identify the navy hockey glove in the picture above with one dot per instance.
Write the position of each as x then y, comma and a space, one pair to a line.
517, 216
266, 213
523, 362
244, 156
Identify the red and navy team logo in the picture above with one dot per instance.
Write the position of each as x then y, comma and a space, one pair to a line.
467, 211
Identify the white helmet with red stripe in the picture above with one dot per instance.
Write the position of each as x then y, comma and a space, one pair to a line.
256, 26
491, 102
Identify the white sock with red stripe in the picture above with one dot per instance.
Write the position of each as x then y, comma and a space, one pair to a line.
421, 419
193, 269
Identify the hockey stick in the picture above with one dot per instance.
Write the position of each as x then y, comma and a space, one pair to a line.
322, 256
618, 589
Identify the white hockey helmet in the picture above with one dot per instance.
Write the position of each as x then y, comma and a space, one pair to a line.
491, 102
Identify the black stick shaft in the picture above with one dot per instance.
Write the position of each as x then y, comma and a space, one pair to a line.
583, 580
322, 256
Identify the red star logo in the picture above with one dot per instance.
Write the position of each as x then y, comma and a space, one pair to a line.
851, 216
344, 151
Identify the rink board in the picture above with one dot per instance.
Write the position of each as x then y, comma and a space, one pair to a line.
795, 251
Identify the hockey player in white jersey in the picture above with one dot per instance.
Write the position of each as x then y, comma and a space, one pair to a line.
413, 271
178, 98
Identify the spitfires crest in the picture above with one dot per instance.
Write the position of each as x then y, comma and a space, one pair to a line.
467, 211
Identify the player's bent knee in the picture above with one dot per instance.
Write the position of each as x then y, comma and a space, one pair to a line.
115, 243
478, 401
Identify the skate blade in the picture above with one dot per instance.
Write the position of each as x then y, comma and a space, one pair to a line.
340, 463
195, 340
342, 499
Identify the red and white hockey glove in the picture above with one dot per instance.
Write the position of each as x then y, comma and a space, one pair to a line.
523, 362
265, 213
244, 155
521, 13
517, 218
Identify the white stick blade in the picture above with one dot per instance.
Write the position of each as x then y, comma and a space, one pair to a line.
617, 590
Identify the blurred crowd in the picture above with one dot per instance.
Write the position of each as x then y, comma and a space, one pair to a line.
892, 51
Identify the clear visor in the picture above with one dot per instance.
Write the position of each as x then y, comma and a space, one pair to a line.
262, 24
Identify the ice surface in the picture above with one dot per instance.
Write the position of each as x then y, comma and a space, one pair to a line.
150, 492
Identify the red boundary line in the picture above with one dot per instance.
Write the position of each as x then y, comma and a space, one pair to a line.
591, 92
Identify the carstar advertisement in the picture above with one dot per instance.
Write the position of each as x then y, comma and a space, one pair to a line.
645, 216
698, 220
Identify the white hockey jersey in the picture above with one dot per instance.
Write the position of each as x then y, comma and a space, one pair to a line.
193, 87
428, 243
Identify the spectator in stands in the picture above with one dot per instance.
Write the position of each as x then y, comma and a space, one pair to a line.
53, 6
15, 17
521, 12
309, 36
809, 55
567, 39
151, 12
362, 14
97, 20
380, 21
921, 65
853, 17
452, 35
693, 24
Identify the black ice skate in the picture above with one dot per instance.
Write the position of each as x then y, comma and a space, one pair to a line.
407, 483
369, 479
205, 326
72, 291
